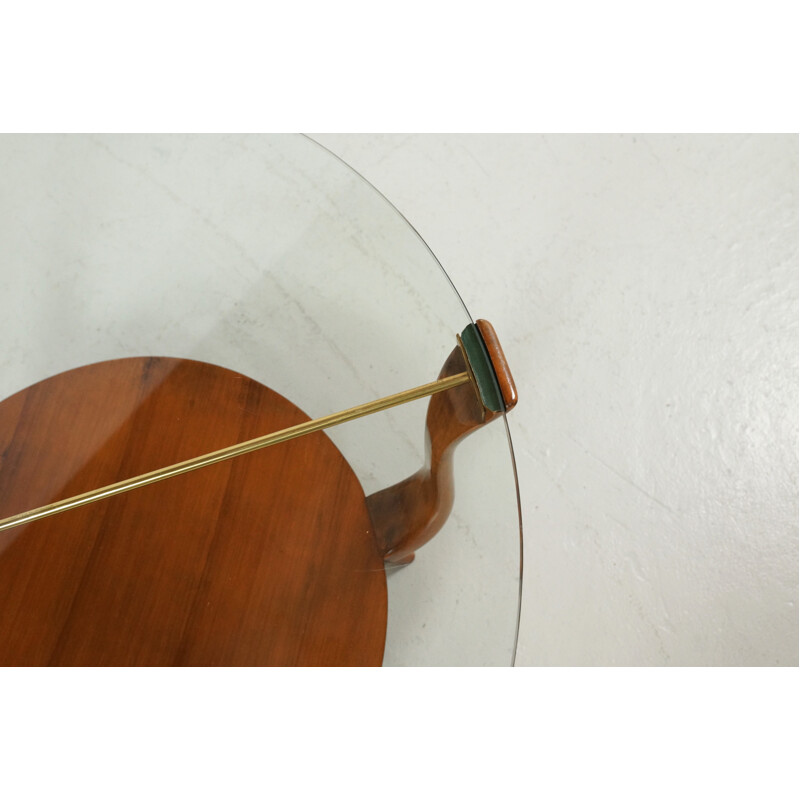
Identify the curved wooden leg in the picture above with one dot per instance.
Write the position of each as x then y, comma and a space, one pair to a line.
401, 562
407, 515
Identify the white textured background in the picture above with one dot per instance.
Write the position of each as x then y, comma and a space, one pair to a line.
645, 291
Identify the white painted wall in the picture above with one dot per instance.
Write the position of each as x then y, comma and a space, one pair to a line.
645, 290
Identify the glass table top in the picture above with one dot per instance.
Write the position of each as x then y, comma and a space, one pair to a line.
269, 256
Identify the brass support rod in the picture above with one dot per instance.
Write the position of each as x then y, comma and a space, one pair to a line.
237, 450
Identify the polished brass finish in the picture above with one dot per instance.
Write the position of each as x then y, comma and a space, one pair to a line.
237, 450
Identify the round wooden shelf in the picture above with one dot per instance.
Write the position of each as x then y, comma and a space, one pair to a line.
267, 559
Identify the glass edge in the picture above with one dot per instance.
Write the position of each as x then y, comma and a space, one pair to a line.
399, 213
469, 315
521, 538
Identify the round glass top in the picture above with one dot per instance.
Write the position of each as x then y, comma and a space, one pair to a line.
269, 256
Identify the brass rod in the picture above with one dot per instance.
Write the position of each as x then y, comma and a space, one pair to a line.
237, 450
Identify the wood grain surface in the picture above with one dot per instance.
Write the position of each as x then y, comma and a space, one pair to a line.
267, 559
502, 372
